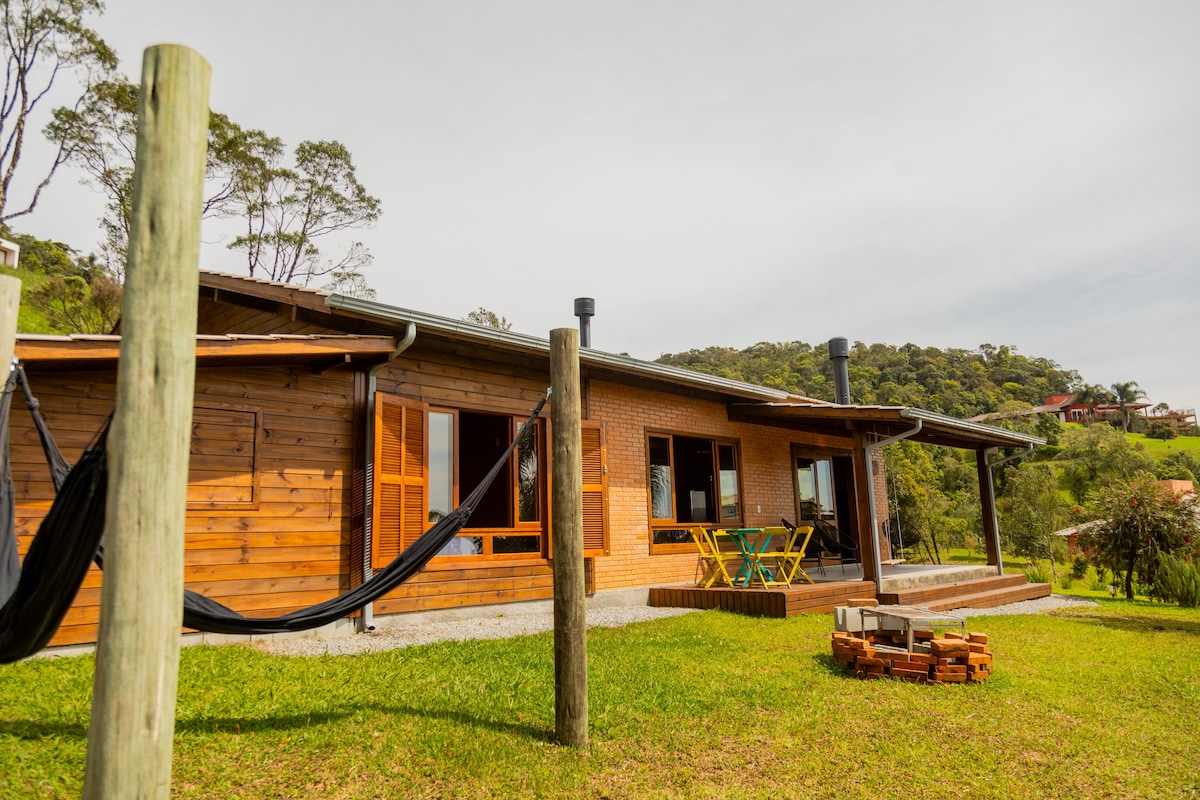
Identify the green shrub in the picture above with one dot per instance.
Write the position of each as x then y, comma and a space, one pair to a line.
1079, 567
1100, 581
1177, 582
1066, 580
1037, 572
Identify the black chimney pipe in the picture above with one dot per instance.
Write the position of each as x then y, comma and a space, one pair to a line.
839, 354
585, 309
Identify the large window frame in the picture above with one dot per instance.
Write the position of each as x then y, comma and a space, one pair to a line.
525, 517
684, 492
405, 482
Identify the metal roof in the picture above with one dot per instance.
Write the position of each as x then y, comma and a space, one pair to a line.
597, 359
883, 421
769, 406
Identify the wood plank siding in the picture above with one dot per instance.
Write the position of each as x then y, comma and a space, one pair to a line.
267, 529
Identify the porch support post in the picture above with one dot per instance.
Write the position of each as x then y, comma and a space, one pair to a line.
987, 502
868, 450
864, 498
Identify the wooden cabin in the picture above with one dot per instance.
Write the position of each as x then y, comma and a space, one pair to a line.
329, 432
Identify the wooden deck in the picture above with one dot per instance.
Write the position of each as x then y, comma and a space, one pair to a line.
782, 601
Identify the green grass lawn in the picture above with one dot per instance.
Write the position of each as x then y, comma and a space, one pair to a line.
1158, 448
1101, 703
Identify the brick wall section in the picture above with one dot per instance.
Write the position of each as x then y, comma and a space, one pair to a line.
628, 413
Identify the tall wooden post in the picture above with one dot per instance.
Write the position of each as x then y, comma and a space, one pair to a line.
570, 602
10, 306
137, 665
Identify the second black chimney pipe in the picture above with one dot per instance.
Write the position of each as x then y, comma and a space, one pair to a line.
839, 354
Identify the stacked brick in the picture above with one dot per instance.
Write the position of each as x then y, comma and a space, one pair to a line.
946, 659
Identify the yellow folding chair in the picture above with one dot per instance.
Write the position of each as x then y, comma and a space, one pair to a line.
791, 555
713, 557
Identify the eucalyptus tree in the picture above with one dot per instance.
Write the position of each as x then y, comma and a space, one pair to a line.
99, 134
43, 40
286, 209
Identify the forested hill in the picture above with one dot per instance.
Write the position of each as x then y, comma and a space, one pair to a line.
961, 383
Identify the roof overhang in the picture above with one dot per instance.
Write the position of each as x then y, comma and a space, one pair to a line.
320, 353
882, 422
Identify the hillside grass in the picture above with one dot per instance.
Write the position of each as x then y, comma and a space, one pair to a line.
1097, 704
1158, 448
29, 320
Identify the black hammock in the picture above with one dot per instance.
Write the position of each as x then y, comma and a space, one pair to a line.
37, 594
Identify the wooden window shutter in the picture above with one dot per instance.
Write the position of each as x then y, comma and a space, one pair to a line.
595, 490
398, 511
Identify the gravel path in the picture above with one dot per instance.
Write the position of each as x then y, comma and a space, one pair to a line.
1037, 606
502, 626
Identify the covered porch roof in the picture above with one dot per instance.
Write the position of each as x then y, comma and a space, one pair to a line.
882, 421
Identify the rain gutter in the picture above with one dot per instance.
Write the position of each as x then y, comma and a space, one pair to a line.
366, 621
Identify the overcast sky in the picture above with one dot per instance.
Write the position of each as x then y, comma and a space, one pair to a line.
725, 173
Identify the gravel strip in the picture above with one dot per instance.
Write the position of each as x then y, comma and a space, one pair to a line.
1036, 606
503, 626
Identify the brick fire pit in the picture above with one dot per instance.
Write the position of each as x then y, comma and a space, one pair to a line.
935, 659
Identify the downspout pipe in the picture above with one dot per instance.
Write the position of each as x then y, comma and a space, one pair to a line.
366, 621
992, 491
868, 450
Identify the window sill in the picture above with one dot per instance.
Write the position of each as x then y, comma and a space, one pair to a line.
448, 563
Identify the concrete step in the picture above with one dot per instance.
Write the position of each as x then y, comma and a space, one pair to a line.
924, 595
992, 597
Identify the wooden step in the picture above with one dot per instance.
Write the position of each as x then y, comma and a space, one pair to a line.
924, 595
992, 597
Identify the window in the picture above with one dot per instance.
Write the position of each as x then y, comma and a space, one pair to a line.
223, 458
692, 481
428, 459
508, 520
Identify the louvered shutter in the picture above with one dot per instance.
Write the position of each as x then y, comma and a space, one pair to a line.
595, 491
398, 513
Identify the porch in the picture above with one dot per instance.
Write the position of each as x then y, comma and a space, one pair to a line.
933, 586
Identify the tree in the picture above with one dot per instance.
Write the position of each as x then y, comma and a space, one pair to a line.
42, 38
74, 304
100, 136
285, 210
1090, 396
1126, 393
1097, 456
1139, 519
488, 319
78, 295
1031, 510
351, 284
1161, 429
921, 507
